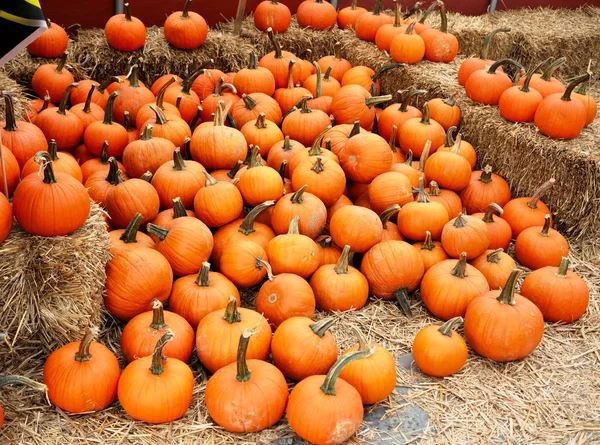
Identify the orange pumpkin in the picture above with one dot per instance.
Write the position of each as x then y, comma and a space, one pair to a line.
305, 124
521, 213
388, 30
61, 162
277, 61
359, 227
316, 14
535, 248
353, 102
499, 230
366, 156
465, 149
431, 251
124, 32
449, 169
465, 234
396, 114
496, 266
485, 86
484, 187
129, 238
407, 46
254, 79
338, 65
367, 25
545, 83
185, 29
415, 132
472, 64
259, 183
346, 17
51, 43
440, 46
128, 198
324, 177
519, 103
449, 199
52, 79
240, 263
445, 112
588, 101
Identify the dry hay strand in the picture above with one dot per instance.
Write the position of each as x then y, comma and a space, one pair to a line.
551, 397
52, 288
157, 57
19, 97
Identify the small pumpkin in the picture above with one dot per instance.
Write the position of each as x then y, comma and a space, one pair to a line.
407, 46
588, 101
217, 203
431, 251
130, 197
519, 103
496, 266
535, 248
415, 132
365, 157
499, 230
100, 183
51, 43
348, 15
124, 32
388, 30
177, 210
185, 29
106, 130
132, 97
352, 102
209, 104
465, 149
272, 14
309, 208
440, 45
259, 183
485, 86
359, 227
87, 112
521, 213
284, 150
277, 61
446, 112
472, 64
130, 237
546, 83
338, 65
484, 187
467, 234
254, 79
305, 124
61, 162
447, 198
239, 261
398, 113
449, 169
367, 25
52, 79
145, 113
316, 14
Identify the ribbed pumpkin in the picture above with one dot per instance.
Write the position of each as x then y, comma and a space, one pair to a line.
367, 25
172, 128
352, 102
128, 198
293, 252
431, 251
272, 14
130, 237
288, 96
545, 83
365, 156
12, 171
484, 188
210, 103
445, 112
465, 149
316, 14
259, 183
447, 198
499, 230
496, 266
440, 45
218, 336
519, 103
305, 124
217, 203
388, 30
239, 261
87, 112
262, 133
521, 213
206, 81
485, 86
132, 97
146, 112
52, 78
277, 62
415, 132
185, 29
61, 162
106, 130
51, 43
356, 226
449, 169
389, 188
177, 210
283, 151
472, 64
538, 247
347, 16
124, 32
100, 183
398, 113
465, 234
309, 208
324, 177
254, 79
407, 46
312, 151
338, 65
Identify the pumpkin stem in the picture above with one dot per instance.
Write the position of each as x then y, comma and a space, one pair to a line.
133, 77
450, 136
61, 62
529, 75
489, 213
83, 353
326, 75
129, 235
157, 367
385, 68
397, 15
248, 101
178, 163
108, 81
260, 121
486, 175
209, 179
424, 156
434, 189
243, 373
113, 172
392, 143
252, 65
282, 168
501, 62
231, 173
161, 118
546, 227
197, 117
186, 85
158, 315
363, 343
548, 72
423, 196
426, 118
355, 129
127, 12
494, 257
460, 269
43, 159
325, 242
275, 43
62, 107
375, 127
108, 112
341, 267
563, 268
318, 166
407, 97
410, 29
298, 196
286, 144
247, 226
315, 148
52, 150
128, 126
446, 328
580, 79
321, 326
232, 315
88, 100
11, 379
267, 266
372, 101
328, 386
9, 111
159, 232
456, 147
337, 48
178, 208
532, 203
202, 278
388, 213
185, 13
104, 153
413, 11
253, 158
178, 102
402, 299
147, 132
160, 97
377, 7
460, 221
293, 229
427, 12
485, 47
428, 243
507, 294
186, 153
290, 77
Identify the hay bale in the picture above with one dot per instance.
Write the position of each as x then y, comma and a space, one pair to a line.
52, 288
19, 96
23, 66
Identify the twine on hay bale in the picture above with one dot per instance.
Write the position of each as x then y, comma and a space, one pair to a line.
52, 288
18, 95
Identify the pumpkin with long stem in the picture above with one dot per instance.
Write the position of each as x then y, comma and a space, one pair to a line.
421, 25
445, 112
447, 198
484, 187
87, 111
277, 61
549, 114
82, 376
588, 101
51, 43
398, 113
254, 79
132, 132
128, 198
309, 208
326, 409
338, 65
188, 104
107, 130
130, 237
146, 113
415, 132
521, 213
465, 149
450, 169
393, 269
418, 217
61, 162
348, 16
496, 266
368, 24
99, 94
217, 203
178, 178
218, 336
323, 87
502, 325
339, 134
472, 64
499, 230
284, 296
156, 381
61, 124
52, 79
388, 30
36, 106
440, 45
250, 107
248, 395
440, 351
519, 103
124, 32
352, 103
431, 251
6, 217
261, 132
132, 97
288, 96
185, 29
210, 103
467, 234
367, 77
319, 15
172, 128
545, 83
283, 150
448, 287
373, 376
486, 86
559, 293
535, 248
205, 83
302, 348
100, 164
359, 227
339, 287
100, 183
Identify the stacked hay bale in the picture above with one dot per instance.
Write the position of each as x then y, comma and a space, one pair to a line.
52, 288
22, 67
18, 95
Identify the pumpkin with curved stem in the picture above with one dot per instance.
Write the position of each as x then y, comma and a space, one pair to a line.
156, 381
440, 351
496, 266
449, 199
132, 132
484, 187
41, 203
185, 29
36, 106
368, 24
365, 157
174, 129
311, 152
142, 332
323, 87
239, 261
123, 80
431, 251
407, 46
300, 256
288, 96
132, 97
359, 227
106, 130
100, 183
309, 208
389, 188
261, 132
440, 45
324, 177
248, 395
374, 376
130, 237
254, 79
519, 103
465, 149
186, 243
218, 336
588, 101
11, 379
396, 114
339, 287
316, 14
418, 217
183, 97
339, 134
178, 178
100, 164
205, 83
347, 16
284, 296
390, 230
128, 198
305, 124
61, 162
545, 83
499, 231
548, 115
210, 103
87, 112
124, 32
99, 95
446, 113
393, 269
352, 103
465, 234
415, 132
535, 248
277, 62
252, 105
146, 112
259, 183
51, 43
217, 203
472, 64
485, 86
6, 217
421, 26
338, 65
366, 77
302, 348
502, 325
449, 169
521, 213
329, 402
560, 294
284, 150
52, 79
388, 30
166, 216
399, 161
82, 376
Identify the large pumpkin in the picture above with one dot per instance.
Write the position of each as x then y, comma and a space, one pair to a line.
125, 32
185, 29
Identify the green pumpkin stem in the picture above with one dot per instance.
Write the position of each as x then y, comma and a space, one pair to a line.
113, 172
507, 294
456, 147
293, 228
401, 296
494, 257
377, 7
388, 213
529, 75
549, 72
426, 118
337, 48
563, 268
407, 97
384, 69
252, 65
423, 196
203, 276
447, 327
427, 12
43, 159
319, 84
328, 386
579, 79
133, 77
11, 121
247, 226
178, 208
290, 77
327, 74
186, 7
62, 107
450, 136
129, 235
413, 11
397, 15
161, 118
318, 166
249, 102
275, 43
52, 150
485, 47
147, 132
392, 144
298, 196
83, 353
355, 129
232, 315
127, 118
186, 86
460, 269
158, 315
157, 367
501, 62
363, 343
231, 173
411, 28
178, 163
443, 16
159, 232
12, 379
243, 373
315, 148
107, 82
428, 243
532, 203
488, 217
372, 101
108, 112
322, 326
546, 227
341, 267
88, 100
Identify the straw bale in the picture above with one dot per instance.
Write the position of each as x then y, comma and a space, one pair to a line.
18, 94
22, 67
52, 288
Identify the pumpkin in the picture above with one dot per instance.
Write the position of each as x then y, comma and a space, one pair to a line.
277, 61
87, 112
352, 103
239, 261
287, 97
100, 183
440, 351
218, 336
485, 86
446, 113
449, 286
338, 65
421, 26
312, 151
365, 157
560, 294
185, 29
52, 204
359, 227
393, 268
272, 14
323, 87
156, 381
549, 114
326, 409
440, 45
588, 101
316, 14
431, 251
183, 97
339, 287
346, 17
186, 243
418, 217
398, 113
302, 348
99, 164
519, 103
309, 208
399, 161
367, 25
450, 169
259, 183
284, 296
124, 32
367, 77
248, 395
82, 155
252, 105
324, 177
11, 172
61, 162
484, 187
128, 198
465, 234
407, 46
521, 213
132, 97
60, 124
254, 79
415, 132
389, 188
499, 230
146, 112
263, 133
305, 124
174, 129
36, 106
546, 84
206, 81
99, 94
217, 203
130, 237
142, 333
388, 30
496, 266
115, 134
132, 132
535, 248
51, 43
339, 134
374, 376
52, 79
502, 325
210, 102
284, 150
6, 217
472, 64
449, 199
166, 216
